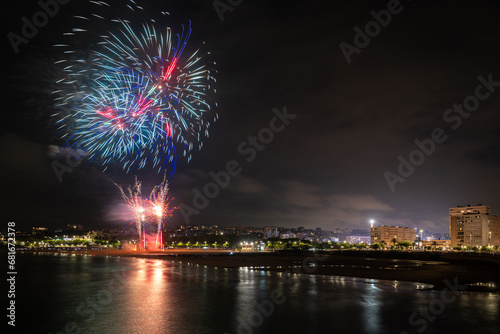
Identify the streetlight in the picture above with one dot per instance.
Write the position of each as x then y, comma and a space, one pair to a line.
371, 230
371, 223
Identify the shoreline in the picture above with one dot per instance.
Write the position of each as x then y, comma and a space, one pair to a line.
373, 265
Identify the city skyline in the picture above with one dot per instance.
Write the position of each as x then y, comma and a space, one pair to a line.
296, 232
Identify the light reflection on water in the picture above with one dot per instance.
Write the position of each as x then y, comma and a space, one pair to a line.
165, 297
371, 308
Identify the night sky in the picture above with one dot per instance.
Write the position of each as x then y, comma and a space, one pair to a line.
349, 122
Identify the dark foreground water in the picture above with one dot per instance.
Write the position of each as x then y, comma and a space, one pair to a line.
86, 294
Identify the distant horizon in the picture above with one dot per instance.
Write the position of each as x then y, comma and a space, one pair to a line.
116, 225
66, 229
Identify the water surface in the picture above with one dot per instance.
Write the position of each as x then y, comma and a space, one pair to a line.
88, 294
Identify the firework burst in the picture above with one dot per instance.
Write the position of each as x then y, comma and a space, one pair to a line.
120, 120
136, 95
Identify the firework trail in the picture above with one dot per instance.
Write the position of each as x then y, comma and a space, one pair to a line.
145, 211
161, 208
137, 205
137, 94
